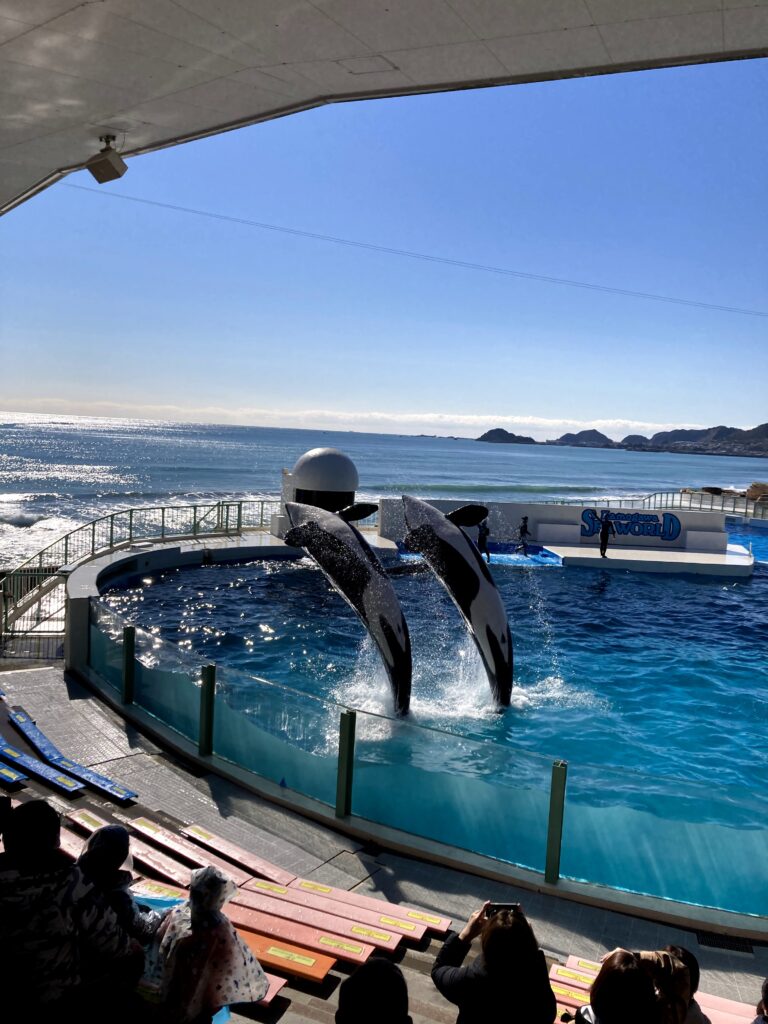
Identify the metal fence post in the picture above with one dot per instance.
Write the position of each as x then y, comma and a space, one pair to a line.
207, 702
555, 828
346, 764
239, 517
129, 663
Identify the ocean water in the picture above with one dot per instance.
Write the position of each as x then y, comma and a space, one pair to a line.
58, 472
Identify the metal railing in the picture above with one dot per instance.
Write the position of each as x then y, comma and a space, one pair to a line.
32, 602
694, 501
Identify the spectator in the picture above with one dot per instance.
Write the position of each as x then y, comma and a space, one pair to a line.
671, 982
51, 920
508, 977
375, 994
762, 1007
638, 988
198, 962
695, 1013
622, 993
102, 863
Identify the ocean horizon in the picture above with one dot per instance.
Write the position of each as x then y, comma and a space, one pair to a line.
58, 472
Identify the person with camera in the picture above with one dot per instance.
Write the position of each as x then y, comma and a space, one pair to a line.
507, 978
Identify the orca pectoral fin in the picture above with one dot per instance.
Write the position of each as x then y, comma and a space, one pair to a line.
360, 510
467, 515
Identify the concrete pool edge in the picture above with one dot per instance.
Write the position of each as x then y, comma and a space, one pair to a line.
83, 584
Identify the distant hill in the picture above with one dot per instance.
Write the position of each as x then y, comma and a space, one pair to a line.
586, 439
500, 436
720, 440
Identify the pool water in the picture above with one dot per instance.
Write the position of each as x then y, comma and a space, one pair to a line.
660, 674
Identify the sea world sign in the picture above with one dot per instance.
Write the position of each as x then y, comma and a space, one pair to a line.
631, 524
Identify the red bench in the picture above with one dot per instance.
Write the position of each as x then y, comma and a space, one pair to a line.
325, 904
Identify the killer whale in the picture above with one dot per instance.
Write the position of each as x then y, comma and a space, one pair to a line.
356, 573
458, 565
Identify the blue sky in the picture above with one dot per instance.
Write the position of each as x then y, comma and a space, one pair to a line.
651, 182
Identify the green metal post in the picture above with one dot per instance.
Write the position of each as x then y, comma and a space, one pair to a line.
66, 550
555, 829
194, 520
162, 522
129, 663
112, 530
207, 702
239, 517
130, 526
346, 764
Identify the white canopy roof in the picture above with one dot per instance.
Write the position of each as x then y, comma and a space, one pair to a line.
158, 72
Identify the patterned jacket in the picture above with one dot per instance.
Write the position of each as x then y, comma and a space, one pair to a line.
52, 922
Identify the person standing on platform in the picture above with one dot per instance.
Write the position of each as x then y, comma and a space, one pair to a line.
523, 536
482, 539
607, 529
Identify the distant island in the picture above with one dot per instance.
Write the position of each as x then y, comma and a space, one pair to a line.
501, 436
707, 441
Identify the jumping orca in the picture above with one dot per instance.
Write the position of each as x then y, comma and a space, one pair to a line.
356, 573
459, 566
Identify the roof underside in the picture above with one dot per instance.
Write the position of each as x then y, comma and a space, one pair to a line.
158, 72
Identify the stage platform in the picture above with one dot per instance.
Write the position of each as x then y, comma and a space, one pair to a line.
735, 561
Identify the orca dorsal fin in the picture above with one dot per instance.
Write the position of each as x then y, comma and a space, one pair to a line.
467, 515
360, 510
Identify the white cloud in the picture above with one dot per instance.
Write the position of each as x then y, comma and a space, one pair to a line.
461, 424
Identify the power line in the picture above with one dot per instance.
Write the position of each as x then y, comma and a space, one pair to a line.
425, 257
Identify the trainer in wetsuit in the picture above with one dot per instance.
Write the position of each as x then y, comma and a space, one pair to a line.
606, 529
523, 534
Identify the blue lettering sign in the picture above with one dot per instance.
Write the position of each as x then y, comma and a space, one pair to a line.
670, 527
631, 524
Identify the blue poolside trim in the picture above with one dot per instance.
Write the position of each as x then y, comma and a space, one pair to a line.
21, 720
12, 755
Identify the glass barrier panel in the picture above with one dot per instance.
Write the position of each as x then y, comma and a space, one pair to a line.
672, 838
167, 685
474, 795
106, 644
277, 733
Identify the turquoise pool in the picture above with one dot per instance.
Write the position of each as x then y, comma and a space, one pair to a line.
653, 688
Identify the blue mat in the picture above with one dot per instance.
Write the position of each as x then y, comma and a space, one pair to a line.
9, 777
15, 757
21, 720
